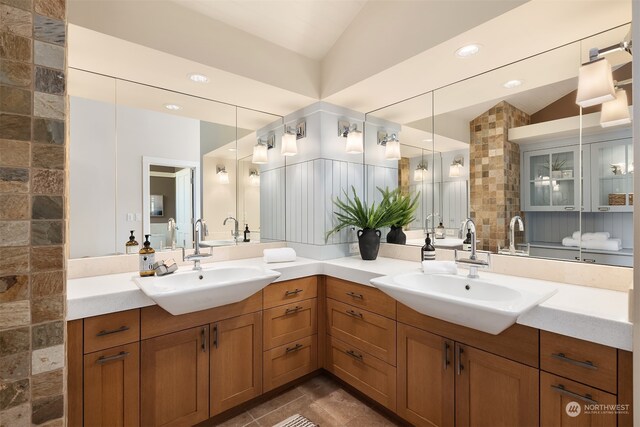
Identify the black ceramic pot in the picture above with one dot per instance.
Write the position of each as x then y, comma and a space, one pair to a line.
396, 236
369, 242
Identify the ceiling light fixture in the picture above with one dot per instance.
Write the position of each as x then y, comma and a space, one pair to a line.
353, 135
512, 83
456, 167
468, 50
420, 174
198, 78
616, 112
391, 145
595, 80
260, 150
290, 139
173, 107
223, 175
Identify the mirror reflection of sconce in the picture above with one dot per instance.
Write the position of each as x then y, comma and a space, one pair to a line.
420, 174
223, 175
290, 138
254, 178
455, 169
391, 143
616, 112
260, 150
353, 135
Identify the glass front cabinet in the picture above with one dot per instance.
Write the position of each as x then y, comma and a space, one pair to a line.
612, 176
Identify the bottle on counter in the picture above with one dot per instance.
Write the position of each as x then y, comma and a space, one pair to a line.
466, 244
132, 246
247, 233
428, 250
147, 258
440, 231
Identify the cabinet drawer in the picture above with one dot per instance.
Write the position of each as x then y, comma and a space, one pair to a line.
367, 331
582, 361
561, 398
290, 361
361, 296
110, 330
290, 291
290, 322
368, 374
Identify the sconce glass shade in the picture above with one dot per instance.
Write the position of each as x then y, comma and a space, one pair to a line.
223, 177
595, 84
615, 112
254, 179
289, 144
354, 142
260, 154
392, 150
419, 174
454, 170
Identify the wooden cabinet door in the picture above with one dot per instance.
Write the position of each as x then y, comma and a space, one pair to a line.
494, 391
175, 378
425, 378
566, 403
236, 361
112, 387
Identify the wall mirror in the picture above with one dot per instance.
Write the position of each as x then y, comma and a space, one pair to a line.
133, 141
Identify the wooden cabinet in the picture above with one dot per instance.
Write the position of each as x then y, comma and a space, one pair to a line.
236, 361
494, 391
612, 176
290, 322
425, 378
362, 297
290, 291
112, 387
289, 362
110, 330
175, 378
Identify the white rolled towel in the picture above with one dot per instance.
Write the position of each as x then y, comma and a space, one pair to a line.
570, 241
576, 235
279, 255
603, 245
439, 267
600, 235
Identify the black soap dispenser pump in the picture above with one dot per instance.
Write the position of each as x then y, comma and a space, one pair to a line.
466, 245
428, 250
247, 234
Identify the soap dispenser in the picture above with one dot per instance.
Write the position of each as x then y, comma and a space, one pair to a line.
132, 246
428, 250
440, 231
247, 234
466, 244
147, 258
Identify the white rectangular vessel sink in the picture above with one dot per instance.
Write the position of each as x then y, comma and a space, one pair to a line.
487, 304
187, 291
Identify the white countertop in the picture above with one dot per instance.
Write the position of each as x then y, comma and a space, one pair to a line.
591, 314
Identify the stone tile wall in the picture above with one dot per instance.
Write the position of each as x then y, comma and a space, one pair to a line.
495, 174
32, 214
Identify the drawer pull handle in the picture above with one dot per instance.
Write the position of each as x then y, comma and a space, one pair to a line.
569, 208
560, 389
203, 344
354, 313
587, 364
112, 331
603, 209
354, 354
460, 365
294, 292
106, 359
354, 295
292, 310
445, 354
215, 335
294, 348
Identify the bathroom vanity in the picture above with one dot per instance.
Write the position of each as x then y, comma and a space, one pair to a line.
135, 364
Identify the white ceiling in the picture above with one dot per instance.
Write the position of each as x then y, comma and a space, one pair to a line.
308, 27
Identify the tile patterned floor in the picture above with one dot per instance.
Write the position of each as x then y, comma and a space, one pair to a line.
321, 400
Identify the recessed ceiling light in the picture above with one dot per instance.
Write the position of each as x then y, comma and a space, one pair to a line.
468, 50
512, 83
172, 107
198, 78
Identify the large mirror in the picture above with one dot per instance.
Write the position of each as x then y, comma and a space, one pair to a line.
151, 161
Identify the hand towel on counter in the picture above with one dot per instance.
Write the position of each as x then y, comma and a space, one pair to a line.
601, 235
279, 255
439, 267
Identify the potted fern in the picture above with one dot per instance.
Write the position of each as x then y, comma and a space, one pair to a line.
368, 219
407, 207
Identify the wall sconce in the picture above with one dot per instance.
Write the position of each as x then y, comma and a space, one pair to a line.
615, 112
260, 150
420, 174
223, 175
353, 135
254, 178
291, 136
595, 81
455, 169
391, 145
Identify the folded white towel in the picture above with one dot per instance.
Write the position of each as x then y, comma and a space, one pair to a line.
576, 235
279, 255
601, 235
603, 245
439, 267
570, 241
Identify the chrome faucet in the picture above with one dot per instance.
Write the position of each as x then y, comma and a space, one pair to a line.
171, 227
235, 233
431, 217
472, 263
512, 232
199, 230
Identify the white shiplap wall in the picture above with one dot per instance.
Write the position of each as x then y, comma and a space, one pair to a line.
272, 204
